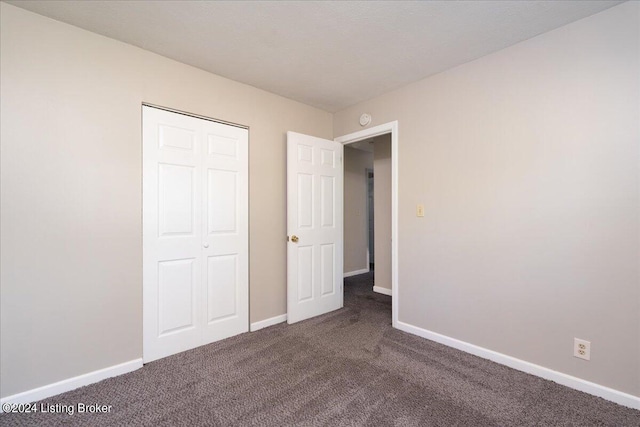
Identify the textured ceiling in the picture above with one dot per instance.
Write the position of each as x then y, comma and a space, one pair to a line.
326, 54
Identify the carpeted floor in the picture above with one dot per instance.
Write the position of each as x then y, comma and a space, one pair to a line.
346, 368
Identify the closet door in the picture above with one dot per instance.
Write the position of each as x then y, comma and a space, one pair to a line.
225, 236
195, 247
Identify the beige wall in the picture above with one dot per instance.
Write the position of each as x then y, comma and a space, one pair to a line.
527, 162
71, 275
355, 208
382, 210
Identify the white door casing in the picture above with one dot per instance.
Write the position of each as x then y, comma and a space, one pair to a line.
195, 232
314, 217
372, 132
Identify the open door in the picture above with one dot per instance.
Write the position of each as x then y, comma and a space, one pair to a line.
314, 226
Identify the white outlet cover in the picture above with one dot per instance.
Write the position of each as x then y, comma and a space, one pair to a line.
582, 349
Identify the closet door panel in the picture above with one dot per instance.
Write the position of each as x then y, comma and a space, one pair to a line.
226, 235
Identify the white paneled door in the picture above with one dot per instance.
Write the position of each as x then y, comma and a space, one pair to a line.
195, 232
314, 223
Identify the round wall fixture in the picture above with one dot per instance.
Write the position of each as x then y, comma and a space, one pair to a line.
365, 119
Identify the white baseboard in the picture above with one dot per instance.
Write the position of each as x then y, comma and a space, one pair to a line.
72, 383
381, 290
268, 322
356, 272
575, 383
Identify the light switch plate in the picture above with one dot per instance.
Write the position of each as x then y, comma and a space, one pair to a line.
420, 210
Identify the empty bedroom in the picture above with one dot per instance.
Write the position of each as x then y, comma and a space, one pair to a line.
319, 213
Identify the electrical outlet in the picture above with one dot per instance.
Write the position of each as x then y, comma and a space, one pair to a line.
420, 210
582, 349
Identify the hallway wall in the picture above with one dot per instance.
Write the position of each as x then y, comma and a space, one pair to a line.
355, 208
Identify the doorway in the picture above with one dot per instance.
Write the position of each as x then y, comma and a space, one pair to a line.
390, 129
315, 221
367, 211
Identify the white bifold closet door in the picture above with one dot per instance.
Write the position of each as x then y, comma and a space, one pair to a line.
195, 232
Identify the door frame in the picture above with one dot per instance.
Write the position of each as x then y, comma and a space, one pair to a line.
385, 128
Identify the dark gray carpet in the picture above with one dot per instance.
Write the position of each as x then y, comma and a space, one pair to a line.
346, 368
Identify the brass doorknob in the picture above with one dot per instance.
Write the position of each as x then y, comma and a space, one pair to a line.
294, 239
